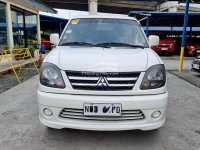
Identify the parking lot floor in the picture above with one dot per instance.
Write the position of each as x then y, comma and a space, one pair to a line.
21, 129
172, 65
189, 76
172, 62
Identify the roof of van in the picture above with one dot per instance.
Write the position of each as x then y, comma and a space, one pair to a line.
106, 16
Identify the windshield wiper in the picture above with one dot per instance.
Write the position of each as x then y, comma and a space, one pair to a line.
110, 44
76, 44
104, 45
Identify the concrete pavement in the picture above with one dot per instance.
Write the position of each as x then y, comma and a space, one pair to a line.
5, 66
21, 129
189, 76
172, 65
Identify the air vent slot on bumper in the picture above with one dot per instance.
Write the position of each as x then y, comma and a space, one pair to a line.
78, 114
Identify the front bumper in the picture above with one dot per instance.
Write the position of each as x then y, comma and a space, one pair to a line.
195, 69
147, 104
159, 49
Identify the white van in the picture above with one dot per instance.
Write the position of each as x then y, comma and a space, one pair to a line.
103, 76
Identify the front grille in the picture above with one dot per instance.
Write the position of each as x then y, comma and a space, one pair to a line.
78, 114
102, 81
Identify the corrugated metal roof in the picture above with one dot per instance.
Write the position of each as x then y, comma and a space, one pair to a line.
171, 19
160, 13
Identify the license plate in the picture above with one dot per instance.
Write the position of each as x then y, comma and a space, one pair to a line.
164, 49
96, 109
195, 66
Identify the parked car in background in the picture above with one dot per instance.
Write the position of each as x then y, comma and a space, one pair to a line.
191, 46
46, 42
103, 75
196, 62
166, 45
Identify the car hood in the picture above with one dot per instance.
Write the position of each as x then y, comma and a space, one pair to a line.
195, 45
102, 59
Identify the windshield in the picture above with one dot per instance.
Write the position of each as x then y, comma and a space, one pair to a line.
100, 31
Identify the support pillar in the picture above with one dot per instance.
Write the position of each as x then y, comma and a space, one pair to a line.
93, 5
38, 30
183, 36
9, 26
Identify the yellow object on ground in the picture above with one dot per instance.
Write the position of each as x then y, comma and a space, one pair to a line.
16, 53
181, 59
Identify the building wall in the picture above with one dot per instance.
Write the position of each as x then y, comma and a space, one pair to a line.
19, 25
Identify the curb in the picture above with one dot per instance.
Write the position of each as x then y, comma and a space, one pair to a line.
8, 70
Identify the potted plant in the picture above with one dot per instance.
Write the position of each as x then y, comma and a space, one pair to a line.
17, 52
32, 50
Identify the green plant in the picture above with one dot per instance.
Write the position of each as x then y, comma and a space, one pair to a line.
32, 50
18, 53
5, 47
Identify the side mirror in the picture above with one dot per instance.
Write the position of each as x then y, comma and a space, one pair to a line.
154, 40
54, 38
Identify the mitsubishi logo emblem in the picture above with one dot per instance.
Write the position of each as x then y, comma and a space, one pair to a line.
102, 82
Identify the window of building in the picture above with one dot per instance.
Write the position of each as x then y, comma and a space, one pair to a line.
31, 28
18, 27
24, 27
3, 30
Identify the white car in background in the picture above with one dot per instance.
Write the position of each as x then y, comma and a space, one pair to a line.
103, 76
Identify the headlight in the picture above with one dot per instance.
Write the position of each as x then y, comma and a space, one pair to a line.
155, 77
51, 76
